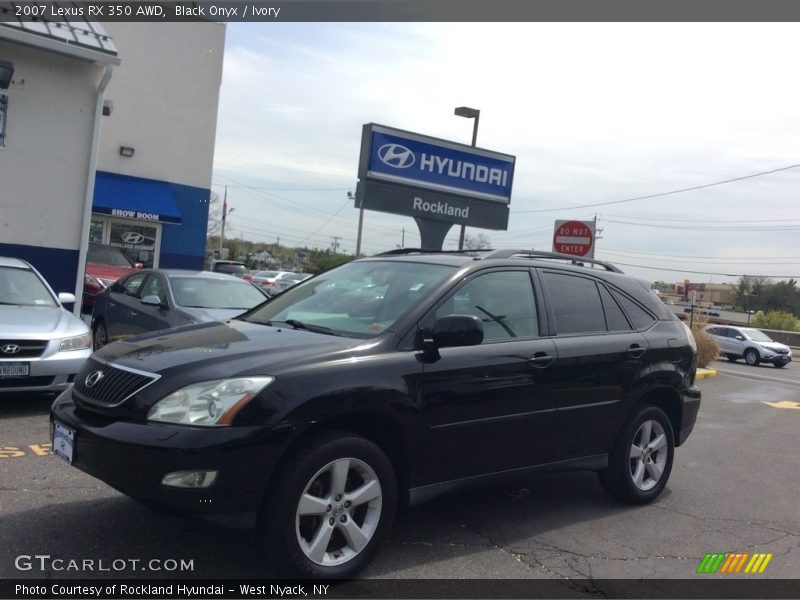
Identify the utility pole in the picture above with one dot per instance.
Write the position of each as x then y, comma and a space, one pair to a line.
335, 243
224, 214
403, 239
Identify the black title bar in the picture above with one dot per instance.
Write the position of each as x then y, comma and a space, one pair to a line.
407, 10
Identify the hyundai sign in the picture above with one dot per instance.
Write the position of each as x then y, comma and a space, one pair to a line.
424, 177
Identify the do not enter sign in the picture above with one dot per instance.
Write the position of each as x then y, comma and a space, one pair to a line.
575, 238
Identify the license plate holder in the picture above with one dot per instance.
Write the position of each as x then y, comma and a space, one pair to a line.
14, 370
63, 442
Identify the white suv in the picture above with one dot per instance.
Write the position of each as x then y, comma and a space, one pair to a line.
753, 345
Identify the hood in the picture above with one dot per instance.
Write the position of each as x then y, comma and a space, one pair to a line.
104, 271
776, 346
39, 322
224, 349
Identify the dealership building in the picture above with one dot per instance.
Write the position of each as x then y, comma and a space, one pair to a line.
107, 135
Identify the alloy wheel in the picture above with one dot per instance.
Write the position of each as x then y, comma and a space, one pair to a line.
648, 455
338, 512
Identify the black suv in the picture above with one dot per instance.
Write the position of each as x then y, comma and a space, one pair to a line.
383, 382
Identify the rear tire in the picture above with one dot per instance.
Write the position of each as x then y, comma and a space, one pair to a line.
329, 507
641, 459
732, 357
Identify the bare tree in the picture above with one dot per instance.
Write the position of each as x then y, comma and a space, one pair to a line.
477, 242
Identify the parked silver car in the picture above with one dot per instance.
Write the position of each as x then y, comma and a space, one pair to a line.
42, 345
753, 345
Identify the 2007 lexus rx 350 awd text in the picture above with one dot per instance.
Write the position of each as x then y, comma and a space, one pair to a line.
387, 381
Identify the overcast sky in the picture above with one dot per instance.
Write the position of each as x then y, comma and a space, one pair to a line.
595, 113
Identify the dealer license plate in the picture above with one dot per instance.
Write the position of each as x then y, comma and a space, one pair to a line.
14, 369
63, 441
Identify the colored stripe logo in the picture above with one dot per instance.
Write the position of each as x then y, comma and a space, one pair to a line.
734, 562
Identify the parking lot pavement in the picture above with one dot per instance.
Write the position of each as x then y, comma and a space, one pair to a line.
733, 489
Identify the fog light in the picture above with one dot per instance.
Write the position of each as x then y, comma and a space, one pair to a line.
190, 479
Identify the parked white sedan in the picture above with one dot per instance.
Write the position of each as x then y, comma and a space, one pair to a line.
42, 345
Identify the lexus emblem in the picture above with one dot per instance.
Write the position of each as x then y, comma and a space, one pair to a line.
132, 237
92, 379
396, 156
11, 349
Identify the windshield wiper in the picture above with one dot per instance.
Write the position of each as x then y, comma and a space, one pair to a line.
295, 324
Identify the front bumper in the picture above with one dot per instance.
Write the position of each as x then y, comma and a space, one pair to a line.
690, 401
133, 457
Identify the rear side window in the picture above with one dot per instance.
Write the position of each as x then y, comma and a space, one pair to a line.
615, 318
640, 318
576, 303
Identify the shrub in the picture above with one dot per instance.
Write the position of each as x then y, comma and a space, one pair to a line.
775, 319
707, 348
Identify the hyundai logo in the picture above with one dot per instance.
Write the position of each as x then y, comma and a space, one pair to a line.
11, 349
92, 379
132, 237
396, 156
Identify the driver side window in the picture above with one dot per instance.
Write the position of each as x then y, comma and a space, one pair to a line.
503, 301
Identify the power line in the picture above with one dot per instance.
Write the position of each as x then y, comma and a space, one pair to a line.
707, 227
662, 194
707, 272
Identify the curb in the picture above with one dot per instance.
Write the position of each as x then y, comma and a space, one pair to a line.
706, 373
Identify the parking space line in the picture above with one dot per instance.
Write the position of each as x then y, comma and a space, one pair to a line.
757, 376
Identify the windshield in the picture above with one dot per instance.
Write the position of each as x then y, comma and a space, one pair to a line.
756, 335
107, 255
360, 299
199, 292
21, 287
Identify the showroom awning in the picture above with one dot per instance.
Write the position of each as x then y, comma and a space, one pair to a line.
134, 198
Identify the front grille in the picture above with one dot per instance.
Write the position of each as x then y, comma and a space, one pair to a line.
27, 348
782, 351
116, 385
40, 381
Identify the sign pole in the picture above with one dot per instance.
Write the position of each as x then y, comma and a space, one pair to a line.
462, 235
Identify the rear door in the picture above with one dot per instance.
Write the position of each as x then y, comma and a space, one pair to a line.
600, 355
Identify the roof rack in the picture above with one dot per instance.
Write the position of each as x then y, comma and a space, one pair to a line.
398, 251
552, 255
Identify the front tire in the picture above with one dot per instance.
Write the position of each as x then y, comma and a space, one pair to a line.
780, 365
329, 507
99, 336
641, 459
751, 357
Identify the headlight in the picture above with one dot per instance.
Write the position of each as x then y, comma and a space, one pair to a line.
80, 342
210, 403
94, 281
690, 336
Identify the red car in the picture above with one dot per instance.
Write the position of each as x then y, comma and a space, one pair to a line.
104, 265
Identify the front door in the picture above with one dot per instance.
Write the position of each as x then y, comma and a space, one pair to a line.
489, 407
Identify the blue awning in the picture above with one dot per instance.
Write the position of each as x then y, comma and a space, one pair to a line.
134, 198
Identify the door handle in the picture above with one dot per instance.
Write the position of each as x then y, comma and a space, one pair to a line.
540, 360
133, 313
636, 351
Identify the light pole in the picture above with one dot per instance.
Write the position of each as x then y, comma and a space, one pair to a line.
469, 113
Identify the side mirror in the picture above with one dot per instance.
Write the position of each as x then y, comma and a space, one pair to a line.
66, 298
740, 338
153, 300
138, 265
457, 330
